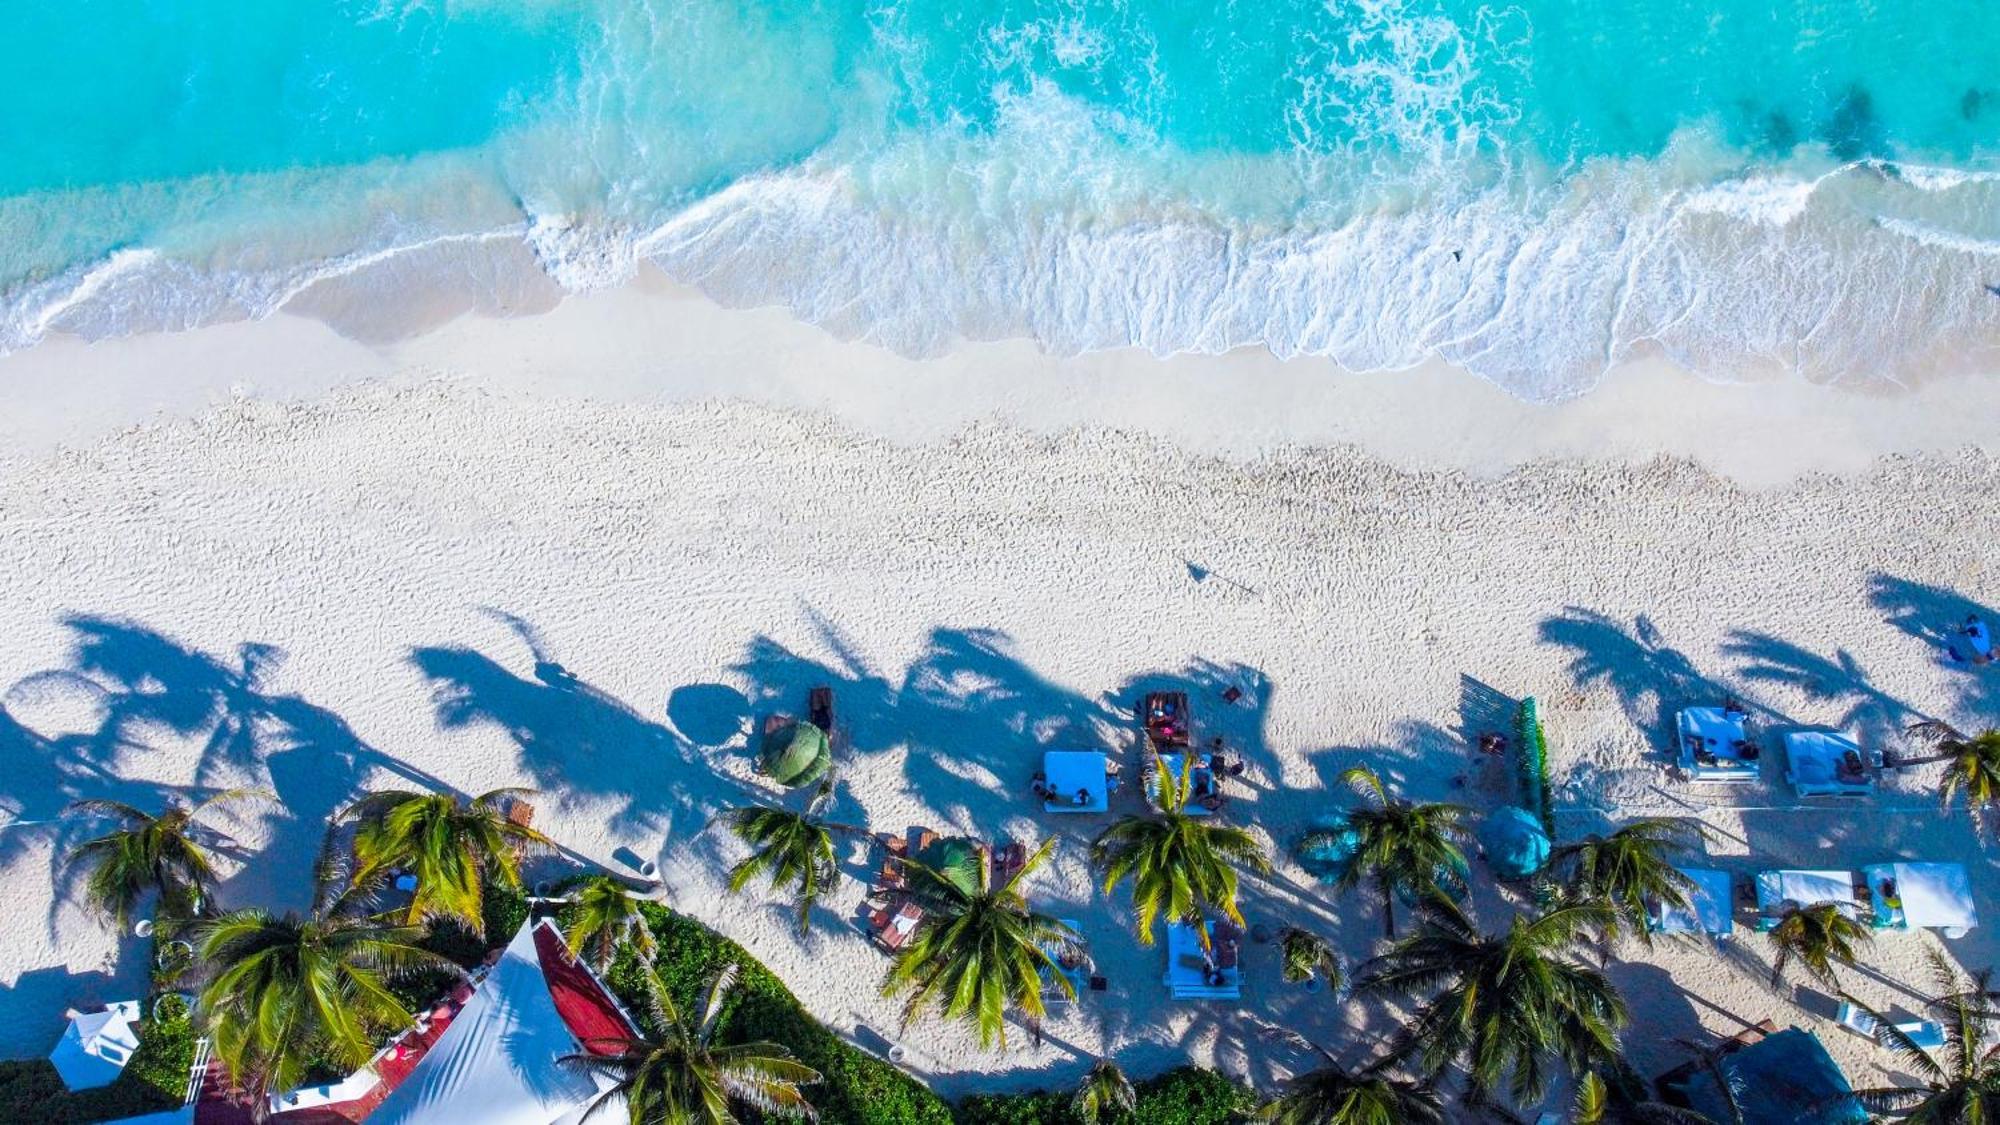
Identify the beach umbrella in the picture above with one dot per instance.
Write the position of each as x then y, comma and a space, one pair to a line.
796, 754
1330, 850
1516, 847
956, 860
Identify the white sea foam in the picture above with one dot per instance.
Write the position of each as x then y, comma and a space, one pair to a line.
1044, 230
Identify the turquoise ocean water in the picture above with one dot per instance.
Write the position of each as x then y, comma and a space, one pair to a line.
1533, 190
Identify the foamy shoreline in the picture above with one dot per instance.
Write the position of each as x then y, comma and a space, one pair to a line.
582, 551
654, 342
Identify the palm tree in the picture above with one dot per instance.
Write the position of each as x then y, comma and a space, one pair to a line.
1961, 1081
603, 915
789, 848
451, 846
1504, 1004
149, 853
1815, 937
978, 949
1413, 850
1181, 866
286, 991
1104, 1092
1631, 870
1306, 955
1332, 1094
1974, 772
1624, 1103
679, 1076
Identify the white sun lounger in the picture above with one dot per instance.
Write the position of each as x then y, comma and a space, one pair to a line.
1807, 888
1187, 977
1717, 732
1812, 760
1924, 1033
1708, 901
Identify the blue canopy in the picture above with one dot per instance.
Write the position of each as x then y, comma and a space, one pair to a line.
1782, 1079
1516, 847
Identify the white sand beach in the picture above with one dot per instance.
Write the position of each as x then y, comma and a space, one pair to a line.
587, 551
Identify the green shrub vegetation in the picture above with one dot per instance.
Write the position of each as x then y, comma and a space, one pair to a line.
857, 1088
1189, 1095
860, 1089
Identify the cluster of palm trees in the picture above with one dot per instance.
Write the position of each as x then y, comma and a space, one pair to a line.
283, 995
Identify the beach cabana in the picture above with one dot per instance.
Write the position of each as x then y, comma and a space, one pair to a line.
1713, 745
795, 754
96, 1046
1708, 906
1922, 896
1823, 764
1515, 845
1197, 974
1785, 1078
1806, 888
1078, 779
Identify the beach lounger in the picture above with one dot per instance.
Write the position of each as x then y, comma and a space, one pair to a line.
893, 929
1205, 797
1824, 764
891, 877
1857, 1021
1073, 773
1714, 746
1924, 1033
819, 709
1708, 907
1187, 975
1164, 717
1072, 963
1009, 861
1806, 888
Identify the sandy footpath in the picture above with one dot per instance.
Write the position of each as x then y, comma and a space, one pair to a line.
477, 583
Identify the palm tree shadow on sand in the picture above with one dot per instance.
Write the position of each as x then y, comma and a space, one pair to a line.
150, 686
580, 744
1934, 615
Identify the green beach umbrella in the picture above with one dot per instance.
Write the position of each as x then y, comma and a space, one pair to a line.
956, 860
796, 755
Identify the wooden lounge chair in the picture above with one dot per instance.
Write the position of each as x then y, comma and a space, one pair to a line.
1164, 715
1012, 859
819, 709
521, 814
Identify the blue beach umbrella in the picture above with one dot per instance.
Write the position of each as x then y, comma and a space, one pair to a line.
1516, 847
1329, 850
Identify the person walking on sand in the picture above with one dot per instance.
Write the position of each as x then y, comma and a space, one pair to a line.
1978, 642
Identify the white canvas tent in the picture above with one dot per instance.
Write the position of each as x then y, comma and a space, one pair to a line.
1934, 895
1708, 906
96, 1046
498, 1062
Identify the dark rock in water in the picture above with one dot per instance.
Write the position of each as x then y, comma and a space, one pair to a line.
1853, 132
1970, 105
1780, 135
